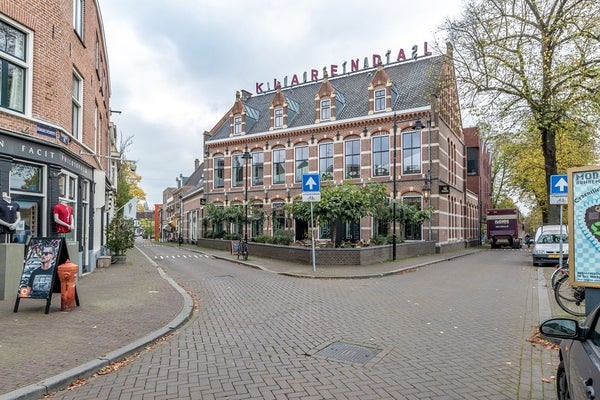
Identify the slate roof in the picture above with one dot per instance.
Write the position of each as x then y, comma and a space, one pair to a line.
414, 82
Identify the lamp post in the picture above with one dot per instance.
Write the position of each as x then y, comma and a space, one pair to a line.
394, 194
180, 236
246, 157
428, 177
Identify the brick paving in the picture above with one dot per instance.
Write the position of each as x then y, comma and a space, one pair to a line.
456, 329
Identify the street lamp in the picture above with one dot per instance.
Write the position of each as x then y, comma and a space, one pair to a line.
395, 194
246, 157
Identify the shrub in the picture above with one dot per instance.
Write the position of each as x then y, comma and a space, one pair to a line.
120, 235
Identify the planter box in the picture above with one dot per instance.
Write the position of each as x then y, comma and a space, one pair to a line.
103, 262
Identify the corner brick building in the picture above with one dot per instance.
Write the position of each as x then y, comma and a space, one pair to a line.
396, 122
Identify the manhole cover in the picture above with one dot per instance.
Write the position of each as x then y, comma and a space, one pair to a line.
348, 352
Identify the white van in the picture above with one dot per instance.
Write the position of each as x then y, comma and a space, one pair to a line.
547, 245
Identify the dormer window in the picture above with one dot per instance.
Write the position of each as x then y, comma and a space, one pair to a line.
278, 118
325, 109
237, 125
380, 100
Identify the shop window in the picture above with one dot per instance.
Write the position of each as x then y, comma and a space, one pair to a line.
26, 177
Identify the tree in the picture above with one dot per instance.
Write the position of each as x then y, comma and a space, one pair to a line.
346, 203
531, 60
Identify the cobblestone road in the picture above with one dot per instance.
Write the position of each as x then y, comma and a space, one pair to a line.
454, 330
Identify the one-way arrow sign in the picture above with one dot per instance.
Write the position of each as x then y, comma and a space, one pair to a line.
311, 183
559, 187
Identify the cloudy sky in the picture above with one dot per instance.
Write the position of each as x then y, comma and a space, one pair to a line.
175, 65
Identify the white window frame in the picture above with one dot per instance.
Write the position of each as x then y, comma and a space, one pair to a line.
379, 100
237, 124
78, 7
77, 108
25, 64
325, 109
278, 117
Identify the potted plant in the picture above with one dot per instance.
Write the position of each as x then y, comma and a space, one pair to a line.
119, 238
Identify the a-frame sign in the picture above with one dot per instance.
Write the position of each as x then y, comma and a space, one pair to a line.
40, 270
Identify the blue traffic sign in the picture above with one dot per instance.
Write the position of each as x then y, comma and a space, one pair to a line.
311, 183
558, 184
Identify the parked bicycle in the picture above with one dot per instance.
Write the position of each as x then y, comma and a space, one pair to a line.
569, 298
243, 249
558, 273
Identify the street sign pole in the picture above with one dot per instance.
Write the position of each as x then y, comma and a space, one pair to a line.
312, 231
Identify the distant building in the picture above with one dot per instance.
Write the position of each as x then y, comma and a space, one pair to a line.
55, 109
479, 173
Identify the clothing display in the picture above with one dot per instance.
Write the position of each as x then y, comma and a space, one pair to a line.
63, 217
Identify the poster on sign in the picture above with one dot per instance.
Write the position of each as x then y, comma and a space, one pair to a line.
39, 278
584, 218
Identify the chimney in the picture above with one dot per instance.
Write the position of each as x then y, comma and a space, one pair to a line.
246, 95
196, 164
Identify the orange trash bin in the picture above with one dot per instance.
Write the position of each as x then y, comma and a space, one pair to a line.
67, 273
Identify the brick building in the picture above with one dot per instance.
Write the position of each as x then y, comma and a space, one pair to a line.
397, 123
55, 134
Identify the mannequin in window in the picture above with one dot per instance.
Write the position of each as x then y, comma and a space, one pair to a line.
9, 216
63, 217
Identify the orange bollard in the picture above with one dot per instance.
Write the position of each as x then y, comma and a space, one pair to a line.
67, 273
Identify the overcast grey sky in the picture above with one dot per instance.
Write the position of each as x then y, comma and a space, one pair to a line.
175, 65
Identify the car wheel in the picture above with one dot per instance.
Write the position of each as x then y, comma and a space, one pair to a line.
562, 387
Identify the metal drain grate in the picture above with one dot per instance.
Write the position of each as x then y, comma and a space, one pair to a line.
348, 352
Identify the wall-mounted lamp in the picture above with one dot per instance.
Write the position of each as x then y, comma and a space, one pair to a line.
226, 150
206, 153
266, 196
289, 195
365, 132
337, 135
418, 125
426, 191
289, 142
312, 139
267, 145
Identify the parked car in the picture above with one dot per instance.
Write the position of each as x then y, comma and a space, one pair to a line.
578, 373
547, 245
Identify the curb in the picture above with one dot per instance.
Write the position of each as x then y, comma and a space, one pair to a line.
62, 380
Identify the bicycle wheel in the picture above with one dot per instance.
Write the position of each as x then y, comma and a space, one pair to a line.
570, 298
558, 274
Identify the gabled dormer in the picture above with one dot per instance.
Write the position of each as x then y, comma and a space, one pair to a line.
327, 104
382, 93
242, 117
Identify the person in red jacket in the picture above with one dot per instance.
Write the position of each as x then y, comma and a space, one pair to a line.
63, 217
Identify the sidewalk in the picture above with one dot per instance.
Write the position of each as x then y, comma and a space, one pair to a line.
41, 353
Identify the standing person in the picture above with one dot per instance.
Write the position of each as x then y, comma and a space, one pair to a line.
528, 240
63, 217
10, 216
40, 280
